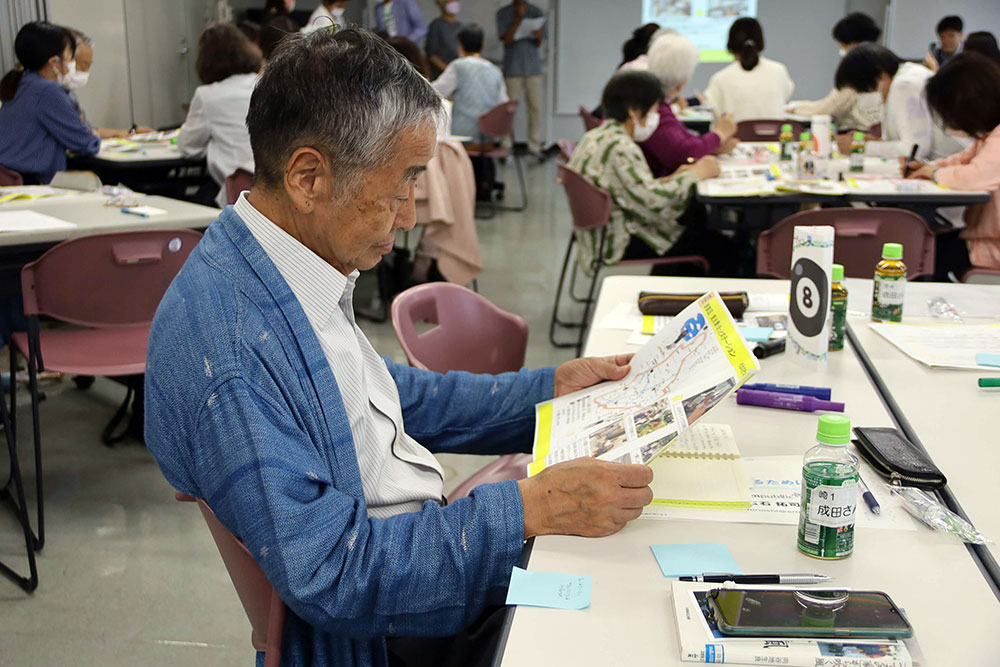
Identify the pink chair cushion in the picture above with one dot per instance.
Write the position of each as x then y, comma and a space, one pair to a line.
106, 352
236, 183
512, 466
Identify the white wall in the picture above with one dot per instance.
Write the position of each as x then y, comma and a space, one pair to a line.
912, 22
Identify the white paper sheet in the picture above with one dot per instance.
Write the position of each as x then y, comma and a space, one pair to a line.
527, 27
943, 345
31, 221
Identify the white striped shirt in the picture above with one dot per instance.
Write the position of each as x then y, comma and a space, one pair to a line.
397, 473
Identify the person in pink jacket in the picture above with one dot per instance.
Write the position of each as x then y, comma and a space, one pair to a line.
965, 97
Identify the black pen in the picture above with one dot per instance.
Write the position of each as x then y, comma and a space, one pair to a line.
913, 156
759, 578
767, 348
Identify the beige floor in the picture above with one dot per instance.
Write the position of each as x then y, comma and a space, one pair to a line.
131, 577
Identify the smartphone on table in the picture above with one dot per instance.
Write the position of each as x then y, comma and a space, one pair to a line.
806, 613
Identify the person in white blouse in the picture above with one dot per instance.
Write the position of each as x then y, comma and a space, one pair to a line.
228, 66
906, 119
329, 12
752, 87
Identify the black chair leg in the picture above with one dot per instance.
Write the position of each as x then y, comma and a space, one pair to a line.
555, 321
33, 360
520, 177
108, 435
19, 505
586, 306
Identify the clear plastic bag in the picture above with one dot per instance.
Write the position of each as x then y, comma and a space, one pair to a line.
120, 195
936, 516
940, 308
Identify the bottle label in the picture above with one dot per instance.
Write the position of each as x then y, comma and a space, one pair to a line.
826, 520
887, 300
856, 161
839, 324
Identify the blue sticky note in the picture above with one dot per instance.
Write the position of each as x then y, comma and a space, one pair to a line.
984, 359
756, 334
687, 560
548, 589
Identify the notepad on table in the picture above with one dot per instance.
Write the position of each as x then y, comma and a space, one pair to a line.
702, 468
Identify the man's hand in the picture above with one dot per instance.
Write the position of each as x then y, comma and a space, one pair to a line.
725, 127
582, 373
930, 62
584, 497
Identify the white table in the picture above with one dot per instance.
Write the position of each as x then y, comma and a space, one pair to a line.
630, 620
950, 415
88, 212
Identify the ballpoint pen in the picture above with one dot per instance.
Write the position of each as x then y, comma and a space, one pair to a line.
759, 578
869, 497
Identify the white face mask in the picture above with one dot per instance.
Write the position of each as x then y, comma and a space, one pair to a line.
75, 79
62, 77
642, 132
453, 8
337, 13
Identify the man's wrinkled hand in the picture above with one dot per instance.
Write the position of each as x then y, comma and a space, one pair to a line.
586, 372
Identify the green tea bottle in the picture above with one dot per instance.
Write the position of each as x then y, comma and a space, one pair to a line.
857, 158
890, 285
838, 308
787, 139
829, 492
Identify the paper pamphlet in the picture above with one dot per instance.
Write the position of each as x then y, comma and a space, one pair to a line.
943, 345
700, 640
775, 485
527, 27
31, 221
30, 192
676, 378
809, 305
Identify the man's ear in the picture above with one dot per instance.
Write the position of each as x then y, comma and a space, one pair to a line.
307, 179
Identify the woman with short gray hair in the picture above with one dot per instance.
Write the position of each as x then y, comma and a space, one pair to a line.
672, 59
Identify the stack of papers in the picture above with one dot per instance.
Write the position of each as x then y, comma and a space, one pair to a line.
30, 192
30, 221
943, 345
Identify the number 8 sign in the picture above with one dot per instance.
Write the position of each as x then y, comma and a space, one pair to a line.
810, 297
809, 307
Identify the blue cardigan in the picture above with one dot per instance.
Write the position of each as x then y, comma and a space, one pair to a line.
39, 125
242, 409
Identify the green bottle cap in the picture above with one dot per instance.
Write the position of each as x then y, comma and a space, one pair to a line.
805, 136
834, 430
787, 127
859, 136
892, 251
838, 272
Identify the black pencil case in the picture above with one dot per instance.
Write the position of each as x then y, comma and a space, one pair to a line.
897, 459
669, 304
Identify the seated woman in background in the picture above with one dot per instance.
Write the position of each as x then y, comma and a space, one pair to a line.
906, 120
850, 110
475, 85
227, 66
753, 86
634, 50
965, 96
646, 213
38, 121
672, 59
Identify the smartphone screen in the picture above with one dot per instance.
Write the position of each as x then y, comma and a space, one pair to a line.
805, 613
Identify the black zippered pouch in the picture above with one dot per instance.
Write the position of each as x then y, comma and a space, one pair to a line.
670, 304
897, 459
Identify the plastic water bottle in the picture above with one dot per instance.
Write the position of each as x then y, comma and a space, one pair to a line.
857, 157
829, 492
838, 308
787, 139
806, 167
890, 285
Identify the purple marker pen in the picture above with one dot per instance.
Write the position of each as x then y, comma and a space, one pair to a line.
773, 399
805, 390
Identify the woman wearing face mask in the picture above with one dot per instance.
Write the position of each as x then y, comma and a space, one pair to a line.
646, 212
38, 122
850, 110
329, 12
442, 37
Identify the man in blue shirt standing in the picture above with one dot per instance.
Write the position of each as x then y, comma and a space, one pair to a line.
522, 65
265, 398
401, 18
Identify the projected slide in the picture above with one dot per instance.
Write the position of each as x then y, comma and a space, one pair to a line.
704, 22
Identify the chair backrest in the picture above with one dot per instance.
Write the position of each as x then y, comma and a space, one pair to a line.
977, 276
261, 603
566, 148
106, 280
590, 121
471, 334
499, 121
860, 233
237, 182
9, 177
766, 129
589, 206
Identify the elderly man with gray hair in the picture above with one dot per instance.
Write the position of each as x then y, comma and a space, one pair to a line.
672, 59
265, 398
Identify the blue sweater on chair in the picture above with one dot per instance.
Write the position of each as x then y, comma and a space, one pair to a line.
38, 126
243, 410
